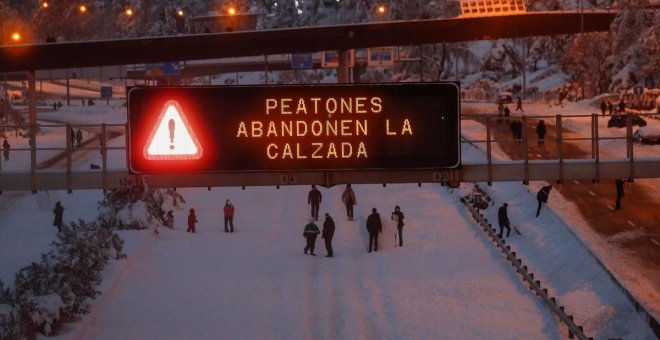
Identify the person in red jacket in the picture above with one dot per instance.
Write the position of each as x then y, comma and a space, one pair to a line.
192, 219
229, 216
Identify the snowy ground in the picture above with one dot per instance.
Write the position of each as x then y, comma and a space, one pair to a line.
446, 282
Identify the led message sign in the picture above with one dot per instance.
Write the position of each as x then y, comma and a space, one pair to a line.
273, 128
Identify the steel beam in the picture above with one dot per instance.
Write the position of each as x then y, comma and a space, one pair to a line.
264, 42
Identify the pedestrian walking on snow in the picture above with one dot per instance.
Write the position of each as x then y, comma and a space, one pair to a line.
603, 107
229, 217
59, 213
192, 220
314, 198
328, 233
310, 233
503, 220
374, 227
610, 107
541, 131
397, 216
519, 105
542, 197
619, 192
622, 107
5, 149
348, 197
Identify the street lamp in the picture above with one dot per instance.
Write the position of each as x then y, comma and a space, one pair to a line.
44, 5
179, 12
231, 11
16, 37
82, 8
129, 12
381, 9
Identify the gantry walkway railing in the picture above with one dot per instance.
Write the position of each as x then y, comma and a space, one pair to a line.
577, 147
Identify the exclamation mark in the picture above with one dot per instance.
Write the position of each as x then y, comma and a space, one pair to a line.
170, 125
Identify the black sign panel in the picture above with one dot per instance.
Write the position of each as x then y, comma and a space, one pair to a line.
273, 128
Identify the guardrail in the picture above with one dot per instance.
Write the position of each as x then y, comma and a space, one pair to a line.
527, 276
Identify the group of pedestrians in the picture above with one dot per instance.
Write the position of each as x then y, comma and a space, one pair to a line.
76, 138
228, 211
607, 106
374, 224
503, 216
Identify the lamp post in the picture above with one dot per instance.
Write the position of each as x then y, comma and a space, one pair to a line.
581, 16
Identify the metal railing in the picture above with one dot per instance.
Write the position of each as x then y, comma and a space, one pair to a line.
599, 152
573, 150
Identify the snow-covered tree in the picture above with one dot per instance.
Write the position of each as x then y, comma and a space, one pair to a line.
587, 59
633, 30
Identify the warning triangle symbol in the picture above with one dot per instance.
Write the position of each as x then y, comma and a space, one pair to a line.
172, 138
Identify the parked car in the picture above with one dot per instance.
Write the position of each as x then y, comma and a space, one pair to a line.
647, 135
505, 98
620, 121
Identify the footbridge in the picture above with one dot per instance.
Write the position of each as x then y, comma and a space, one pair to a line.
557, 165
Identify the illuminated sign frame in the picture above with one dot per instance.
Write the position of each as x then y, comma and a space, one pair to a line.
400, 126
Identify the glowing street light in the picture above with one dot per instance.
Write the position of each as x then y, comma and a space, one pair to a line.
82, 9
16, 37
179, 12
381, 9
231, 11
129, 12
44, 5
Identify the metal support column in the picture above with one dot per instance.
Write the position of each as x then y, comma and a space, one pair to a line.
104, 158
69, 152
266, 69
489, 155
32, 114
525, 153
342, 70
595, 147
68, 92
630, 146
560, 153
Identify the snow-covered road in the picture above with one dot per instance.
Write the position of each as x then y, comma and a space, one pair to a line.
446, 282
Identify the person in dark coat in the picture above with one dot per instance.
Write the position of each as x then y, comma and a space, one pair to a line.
519, 105
229, 216
610, 107
310, 233
59, 213
519, 132
619, 192
622, 107
73, 138
192, 219
503, 220
542, 197
348, 197
314, 198
541, 131
79, 137
374, 227
328, 233
603, 107
5, 149
507, 112
397, 216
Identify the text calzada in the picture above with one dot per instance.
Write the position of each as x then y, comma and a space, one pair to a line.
267, 128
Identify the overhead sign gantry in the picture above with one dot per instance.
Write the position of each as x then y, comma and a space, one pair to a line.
293, 128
